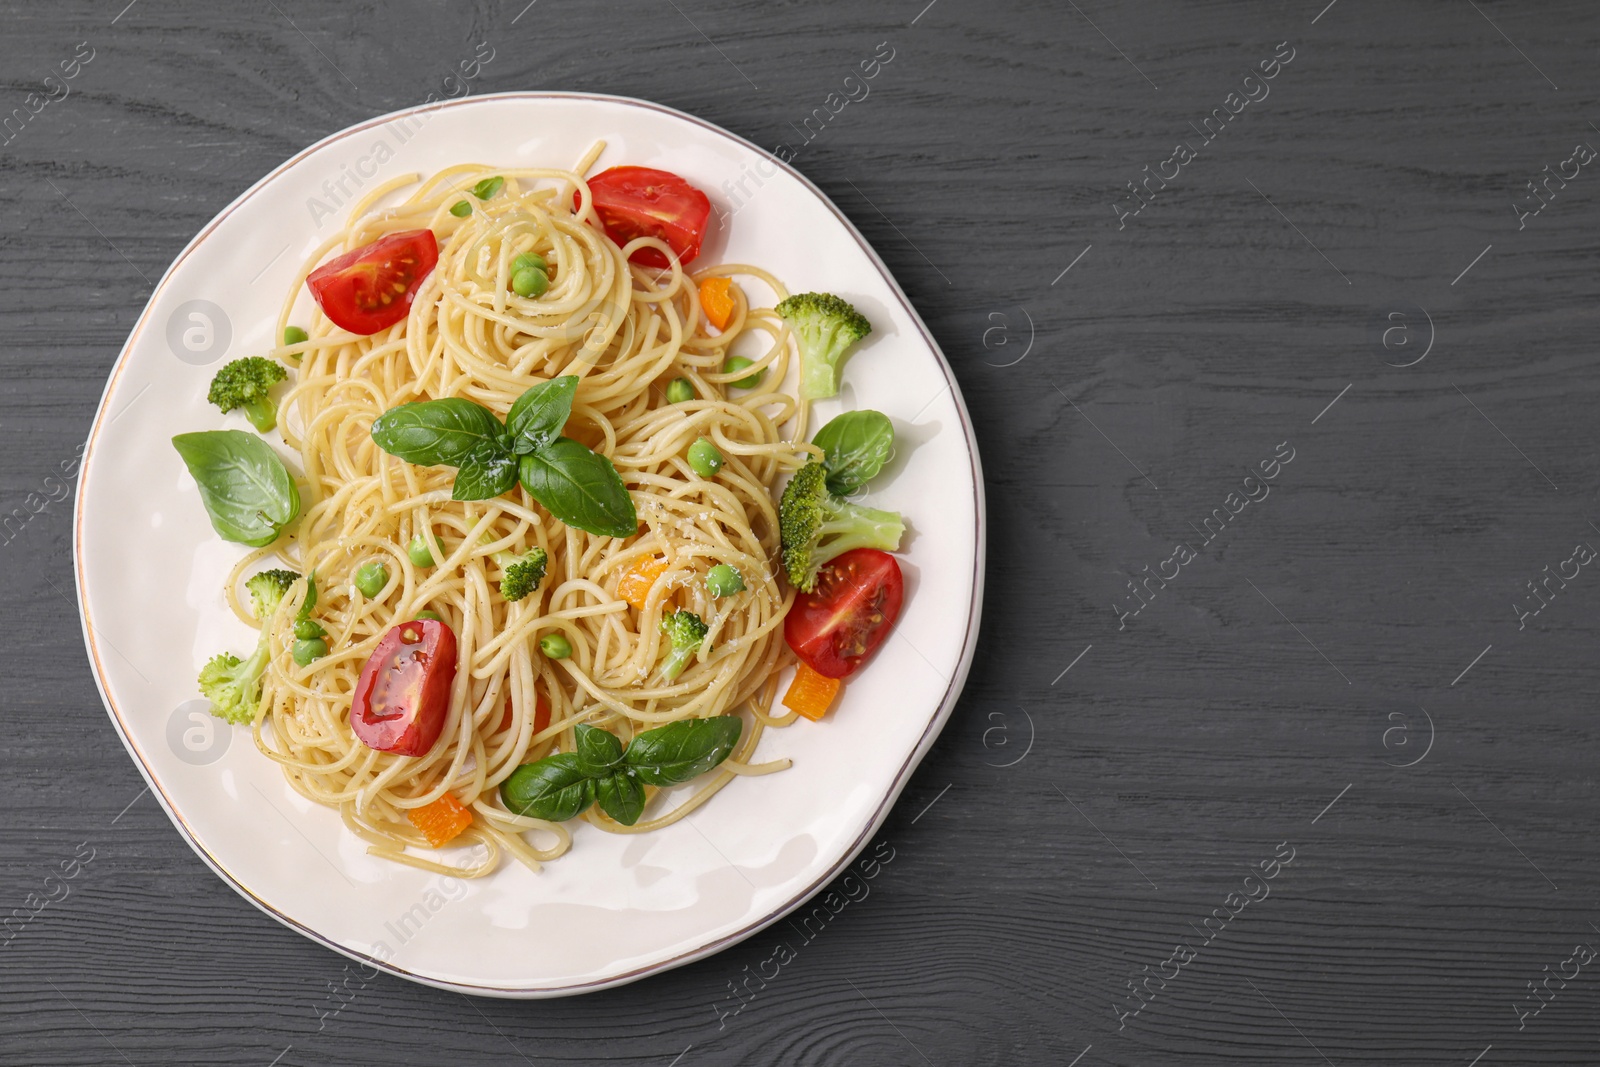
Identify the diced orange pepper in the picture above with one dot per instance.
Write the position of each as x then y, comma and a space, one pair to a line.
716, 297
636, 582
541, 712
811, 694
442, 820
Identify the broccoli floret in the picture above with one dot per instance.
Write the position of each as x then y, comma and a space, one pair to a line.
268, 589
233, 685
815, 526
522, 574
686, 631
826, 326
244, 384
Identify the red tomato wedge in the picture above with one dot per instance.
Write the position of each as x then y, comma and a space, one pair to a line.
849, 613
403, 695
639, 202
370, 288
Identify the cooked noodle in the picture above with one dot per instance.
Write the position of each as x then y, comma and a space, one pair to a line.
625, 332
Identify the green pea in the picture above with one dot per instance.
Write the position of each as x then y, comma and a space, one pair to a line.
306, 629
371, 577
293, 335
419, 552
461, 209
555, 646
722, 580
426, 614
704, 459
488, 187
737, 363
530, 281
529, 261
309, 649
679, 390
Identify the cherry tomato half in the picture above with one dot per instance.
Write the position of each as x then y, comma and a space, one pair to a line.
403, 695
370, 288
849, 613
639, 202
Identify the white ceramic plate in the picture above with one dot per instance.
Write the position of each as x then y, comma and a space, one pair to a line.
150, 572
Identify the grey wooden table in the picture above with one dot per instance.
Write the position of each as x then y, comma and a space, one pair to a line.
1280, 745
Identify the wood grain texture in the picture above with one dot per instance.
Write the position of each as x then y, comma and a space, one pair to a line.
1094, 818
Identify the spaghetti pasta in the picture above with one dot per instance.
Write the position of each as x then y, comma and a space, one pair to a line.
624, 331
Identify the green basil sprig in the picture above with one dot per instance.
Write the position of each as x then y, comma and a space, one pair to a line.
578, 486
857, 445
561, 787
246, 489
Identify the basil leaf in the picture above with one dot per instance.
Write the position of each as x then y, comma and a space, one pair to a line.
245, 487
539, 414
436, 433
858, 444
579, 487
485, 473
620, 796
598, 750
682, 750
555, 788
